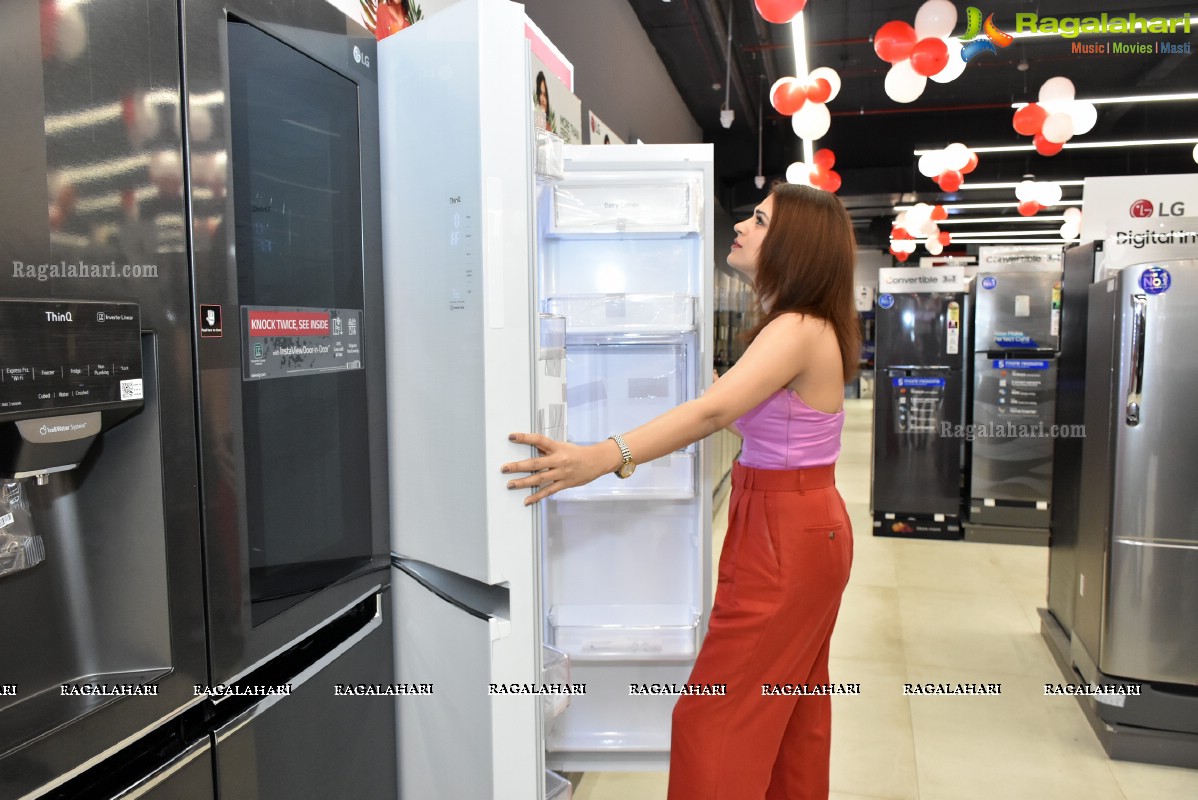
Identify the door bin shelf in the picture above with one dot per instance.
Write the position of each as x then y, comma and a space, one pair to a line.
557, 787
626, 632
555, 671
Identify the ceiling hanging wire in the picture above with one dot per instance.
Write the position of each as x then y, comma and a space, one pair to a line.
726, 112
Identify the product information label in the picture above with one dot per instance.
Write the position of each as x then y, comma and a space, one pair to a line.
289, 342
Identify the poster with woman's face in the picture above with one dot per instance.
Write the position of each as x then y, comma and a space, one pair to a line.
554, 107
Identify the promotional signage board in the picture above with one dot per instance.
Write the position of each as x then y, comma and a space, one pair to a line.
909, 280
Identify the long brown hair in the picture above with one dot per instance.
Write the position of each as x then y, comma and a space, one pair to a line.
806, 264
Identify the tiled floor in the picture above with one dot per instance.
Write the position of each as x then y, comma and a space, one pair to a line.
945, 612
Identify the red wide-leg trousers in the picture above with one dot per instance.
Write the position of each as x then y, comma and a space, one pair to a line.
783, 569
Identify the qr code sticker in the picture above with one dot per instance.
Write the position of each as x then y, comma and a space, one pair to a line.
131, 390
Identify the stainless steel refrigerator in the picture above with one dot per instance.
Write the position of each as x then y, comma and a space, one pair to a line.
1137, 552
919, 406
1016, 334
192, 411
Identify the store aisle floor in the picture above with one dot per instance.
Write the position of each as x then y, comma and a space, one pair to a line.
944, 612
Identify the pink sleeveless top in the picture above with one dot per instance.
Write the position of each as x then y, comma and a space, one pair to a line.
783, 432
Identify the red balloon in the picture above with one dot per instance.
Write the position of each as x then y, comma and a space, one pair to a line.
902, 256
1029, 208
820, 91
939, 213
789, 97
949, 180
1029, 119
816, 177
893, 41
945, 238
972, 165
831, 181
779, 11
929, 56
1045, 147
899, 233
824, 159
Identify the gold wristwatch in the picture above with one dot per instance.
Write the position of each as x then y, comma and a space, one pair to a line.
629, 466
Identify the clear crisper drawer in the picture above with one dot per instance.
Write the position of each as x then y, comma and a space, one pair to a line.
625, 312
620, 633
617, 383
557, 787
666, 206
555, 670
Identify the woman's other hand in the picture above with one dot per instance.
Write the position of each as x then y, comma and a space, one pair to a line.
561, 465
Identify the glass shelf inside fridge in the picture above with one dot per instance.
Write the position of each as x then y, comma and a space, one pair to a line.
603, 206
624, 312
626, 632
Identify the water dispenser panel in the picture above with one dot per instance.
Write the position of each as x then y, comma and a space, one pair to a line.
61, 358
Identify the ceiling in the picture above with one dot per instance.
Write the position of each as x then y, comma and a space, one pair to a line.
874, 137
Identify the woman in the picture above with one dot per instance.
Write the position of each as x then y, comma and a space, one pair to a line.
787, 554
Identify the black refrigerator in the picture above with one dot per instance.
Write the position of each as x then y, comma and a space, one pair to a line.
919, 409
194, 534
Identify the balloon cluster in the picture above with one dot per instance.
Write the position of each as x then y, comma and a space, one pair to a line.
779, 11
804, 101
1035, 196
927, 50
819, 174
948, 166
919, 222
1056, 118
1072, 229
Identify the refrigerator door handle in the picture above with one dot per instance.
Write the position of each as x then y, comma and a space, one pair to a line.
918, 366
1139, 311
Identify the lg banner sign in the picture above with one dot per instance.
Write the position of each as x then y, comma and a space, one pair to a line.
1124, 205
1143, 209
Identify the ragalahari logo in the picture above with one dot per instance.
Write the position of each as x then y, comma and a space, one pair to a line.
989, 43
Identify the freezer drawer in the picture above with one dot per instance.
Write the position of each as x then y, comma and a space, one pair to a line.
318, 741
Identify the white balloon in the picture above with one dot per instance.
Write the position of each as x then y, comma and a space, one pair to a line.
917, 215
935, 18
901, 219
955, 66
799, 173
931, 164
1058, 127
905, 245
1047, 194
812, 121
70, 33
1196, 152
1070, 231
1073, 214
1084, 114
934, 247
929, 229
956, 156
828, 74
1025, 190
903, 84
1056, 90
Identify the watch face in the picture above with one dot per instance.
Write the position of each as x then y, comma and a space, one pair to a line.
626, 470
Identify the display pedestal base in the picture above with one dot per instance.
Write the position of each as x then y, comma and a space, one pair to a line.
1125, 732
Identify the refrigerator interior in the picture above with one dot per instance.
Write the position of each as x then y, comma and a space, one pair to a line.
622, 253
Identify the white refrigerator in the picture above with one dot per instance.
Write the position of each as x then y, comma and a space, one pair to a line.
577, 305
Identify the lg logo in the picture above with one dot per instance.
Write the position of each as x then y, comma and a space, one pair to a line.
1145, 208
